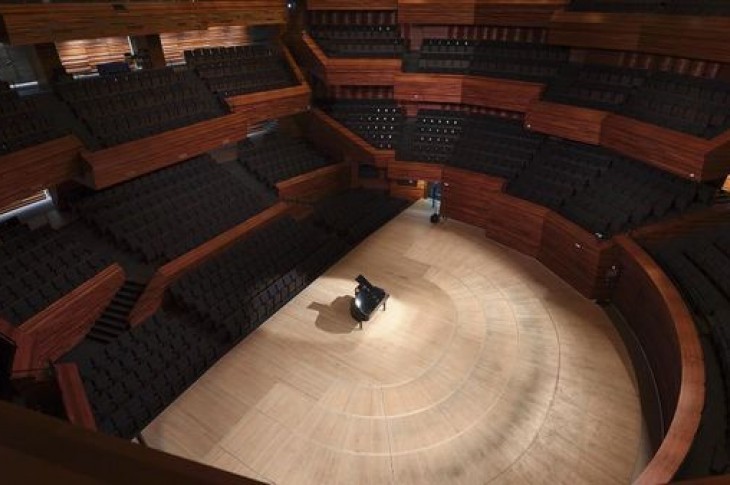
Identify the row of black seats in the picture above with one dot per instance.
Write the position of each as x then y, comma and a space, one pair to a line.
255, 278
602, 191
231, 71
379, 122
693, 105
37, 267
23, 122
699, 264
355, 214
382, 41
134, 378
125, 107
432, 136
528, 61
275, 157
679, 7
162, 215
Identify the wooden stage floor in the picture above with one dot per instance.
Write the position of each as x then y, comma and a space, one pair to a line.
485, 368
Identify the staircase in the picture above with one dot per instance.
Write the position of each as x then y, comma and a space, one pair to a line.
113, 322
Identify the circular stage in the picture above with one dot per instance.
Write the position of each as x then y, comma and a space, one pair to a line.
485, 368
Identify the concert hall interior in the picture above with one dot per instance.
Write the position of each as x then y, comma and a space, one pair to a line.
388, 241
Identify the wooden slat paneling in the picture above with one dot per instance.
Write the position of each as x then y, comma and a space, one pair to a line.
398, 170
174, 44
57, 329
81, 56
516, 223
682, 154
316, 184
523, 13
437, 12
38, 22
654, 308
596, 30
129, 160
151, 299
505, 94
25, 172
571, 122
577, 256
466, 196
268, 105
75, 401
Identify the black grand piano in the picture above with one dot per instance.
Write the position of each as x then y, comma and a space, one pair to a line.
368, 299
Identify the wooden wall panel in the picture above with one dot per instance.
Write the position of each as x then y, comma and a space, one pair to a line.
174, 44
25, 172
571, 122
151, 299
695, 37
57, 329
654, 308
442, 88
523, 13
684, 155
503, 94
398, 170
316, 184
75, 402
438, 12
81, 56
129, 160
408, 192
596, 30
39, 22
577, 256
269, 105
466, 196
516, 223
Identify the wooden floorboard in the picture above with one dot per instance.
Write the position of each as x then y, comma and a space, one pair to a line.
485, 368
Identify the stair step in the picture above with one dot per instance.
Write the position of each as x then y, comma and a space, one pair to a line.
118, 310
102, 333
111, 325
111, 318
102, 340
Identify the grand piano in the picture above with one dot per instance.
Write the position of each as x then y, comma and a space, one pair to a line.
368, 299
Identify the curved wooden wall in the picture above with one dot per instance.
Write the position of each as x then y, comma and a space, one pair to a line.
36, 23
654, 308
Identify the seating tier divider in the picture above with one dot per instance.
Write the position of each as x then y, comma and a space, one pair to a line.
151, 299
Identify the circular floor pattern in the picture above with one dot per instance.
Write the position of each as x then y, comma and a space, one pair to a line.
485, 368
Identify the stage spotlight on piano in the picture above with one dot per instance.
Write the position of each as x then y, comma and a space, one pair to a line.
368, 299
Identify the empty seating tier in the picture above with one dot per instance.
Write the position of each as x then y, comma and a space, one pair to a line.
230, 71
131, 380
680, 7
22, 122
164, 214
524, 61
604, 192
699, 264
275, 157
495, 146
241, 288
379, 122
431, 137
354, 215
700, 107
381, 41
595, 86
125, 107
37, 267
